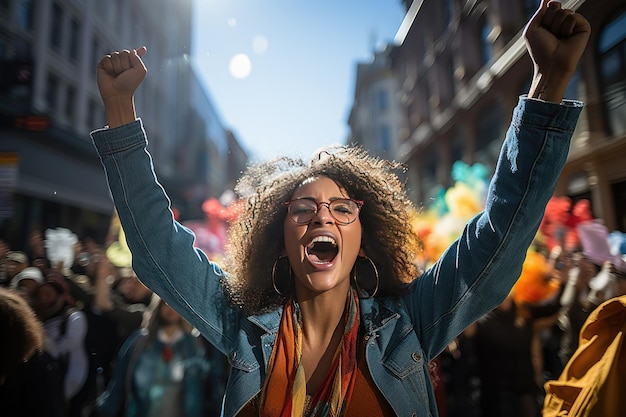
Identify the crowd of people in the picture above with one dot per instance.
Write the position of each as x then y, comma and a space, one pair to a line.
109, 346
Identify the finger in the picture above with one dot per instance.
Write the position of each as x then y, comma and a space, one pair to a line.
135, 58
106, 64
551, 12
557, 26
569, 25
141, 51
125, 59
581, 24
115, 61
538, 17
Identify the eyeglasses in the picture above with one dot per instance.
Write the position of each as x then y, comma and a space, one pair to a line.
343, 210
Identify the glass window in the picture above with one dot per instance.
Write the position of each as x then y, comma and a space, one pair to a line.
26, 12
485, 43
52, 89
92, 114
382, 100
612, 51
488, 134
74, 39
385, 138
70, 98
56, 27
96, 54
448, 11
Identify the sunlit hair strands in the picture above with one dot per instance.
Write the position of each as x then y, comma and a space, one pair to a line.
256, 237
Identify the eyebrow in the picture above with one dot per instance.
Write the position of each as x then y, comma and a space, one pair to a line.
315, 200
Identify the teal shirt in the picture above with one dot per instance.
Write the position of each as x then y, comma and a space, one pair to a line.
149, 383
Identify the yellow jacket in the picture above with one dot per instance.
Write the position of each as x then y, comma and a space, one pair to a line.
593, 383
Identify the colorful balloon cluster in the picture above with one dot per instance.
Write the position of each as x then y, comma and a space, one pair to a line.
443, 222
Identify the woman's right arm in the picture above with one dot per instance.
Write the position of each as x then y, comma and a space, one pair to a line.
164, 256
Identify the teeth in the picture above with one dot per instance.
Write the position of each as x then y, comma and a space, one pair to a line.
326, 239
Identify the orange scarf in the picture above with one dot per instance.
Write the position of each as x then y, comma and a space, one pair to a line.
284, 390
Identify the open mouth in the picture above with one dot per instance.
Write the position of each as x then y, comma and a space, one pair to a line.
321, 250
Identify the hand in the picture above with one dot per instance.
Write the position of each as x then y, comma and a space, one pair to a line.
556, 39
119, 74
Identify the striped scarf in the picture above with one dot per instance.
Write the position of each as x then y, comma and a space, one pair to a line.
284, 390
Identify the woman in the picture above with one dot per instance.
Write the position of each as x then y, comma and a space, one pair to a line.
160, 371
299, 338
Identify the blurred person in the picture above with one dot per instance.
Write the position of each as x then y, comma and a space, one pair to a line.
36, 245
4, 248
22, 335
14, 263
27, 281
160, 371
575, 305
592, 382
305, 332
619, 285
65, 329
504, 344
30, 384
42, 263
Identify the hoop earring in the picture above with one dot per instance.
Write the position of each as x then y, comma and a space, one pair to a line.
362, 293
286, 292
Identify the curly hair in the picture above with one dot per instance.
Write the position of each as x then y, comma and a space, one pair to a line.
256, 237
20, 331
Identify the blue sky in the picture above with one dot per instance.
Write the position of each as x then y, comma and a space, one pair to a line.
302, 62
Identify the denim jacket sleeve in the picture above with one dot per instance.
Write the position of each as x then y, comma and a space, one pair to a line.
478, 270
164, 256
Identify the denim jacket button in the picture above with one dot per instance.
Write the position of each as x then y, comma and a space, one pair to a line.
233, 355
416, 356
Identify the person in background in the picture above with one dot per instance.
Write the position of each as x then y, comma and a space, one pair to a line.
65, 329
160, 371
30, 384
27, 282
575, 306
14, 263
503, 343
320, 312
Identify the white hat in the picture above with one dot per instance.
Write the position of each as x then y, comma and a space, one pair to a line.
32, 272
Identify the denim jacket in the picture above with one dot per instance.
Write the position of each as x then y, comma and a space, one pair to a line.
401, 335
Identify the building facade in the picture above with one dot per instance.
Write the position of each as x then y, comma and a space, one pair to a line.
377, 121
460, 67
50, 175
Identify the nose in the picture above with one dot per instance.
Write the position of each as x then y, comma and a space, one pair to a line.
323, 215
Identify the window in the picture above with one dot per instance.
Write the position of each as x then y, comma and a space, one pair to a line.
56, 27
448, 11
26, 11
489, 131
612, 62
385, 138
485, 42
92, 114
70, 98
382, 100
74, 39
52, 90
95, 55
